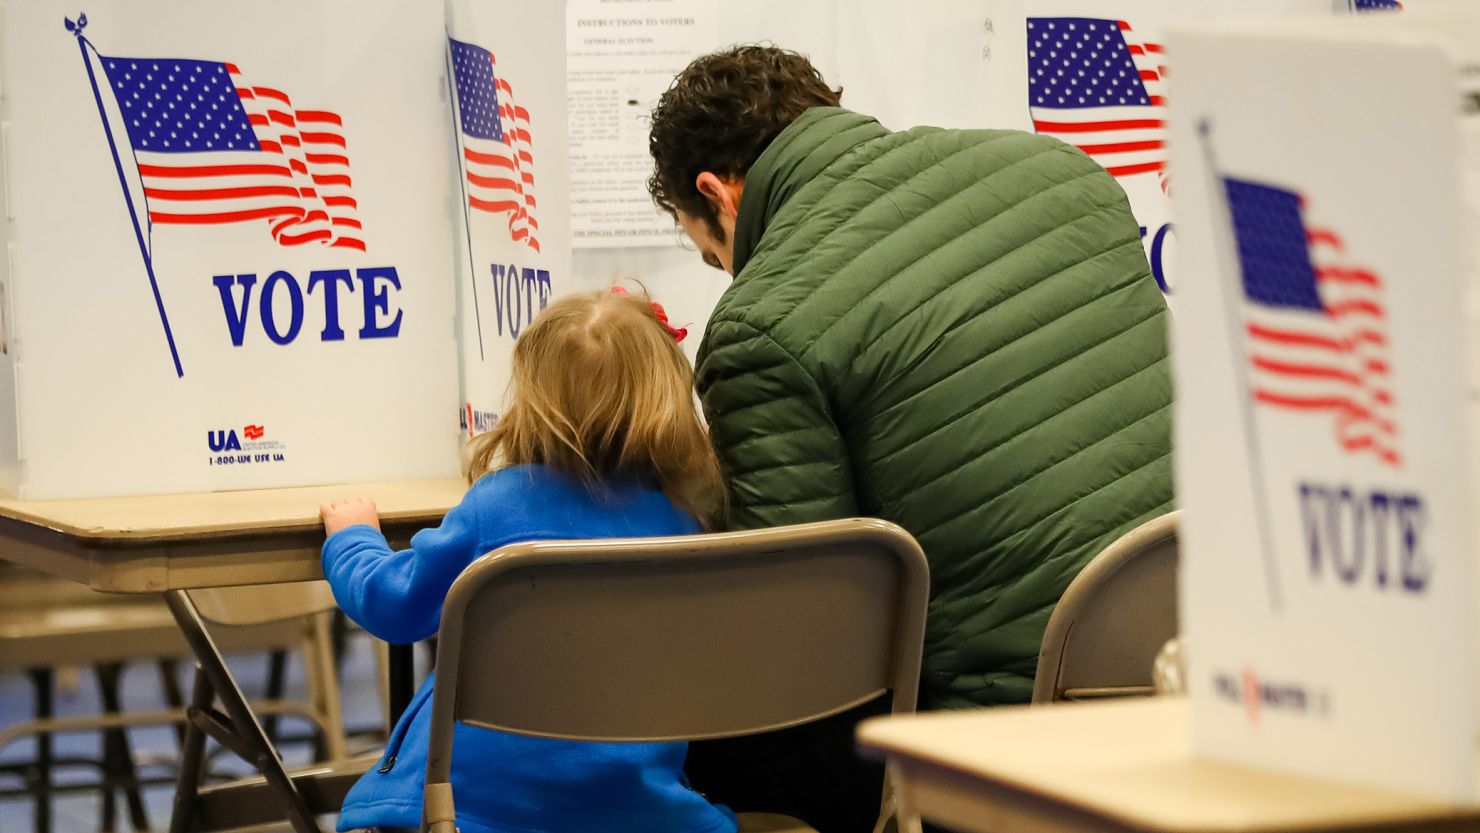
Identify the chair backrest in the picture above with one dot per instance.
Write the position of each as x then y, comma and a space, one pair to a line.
1105, 632
262, 603
680, 638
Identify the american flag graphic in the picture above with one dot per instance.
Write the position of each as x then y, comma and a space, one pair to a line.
1092, 84
1316, 323
211, 149
498, 153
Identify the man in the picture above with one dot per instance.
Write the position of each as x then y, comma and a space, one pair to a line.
953, 330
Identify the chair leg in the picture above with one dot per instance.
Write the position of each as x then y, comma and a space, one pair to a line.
242, 729
277, 674
907, 818
323, 686
401, 679
169, 681
42, 682
382, 654
119, 768
192, 757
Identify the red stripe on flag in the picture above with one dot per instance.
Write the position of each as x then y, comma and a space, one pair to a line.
494, 206
1306, 371
222, 193
1354, 308
1316, 235
323, 138
224, 216
186, 171
487, 158
320, 116
492, 182
1338, 274
1312, 403
1297, 338
1097, 126
307, 237
1122, 147
1127, 170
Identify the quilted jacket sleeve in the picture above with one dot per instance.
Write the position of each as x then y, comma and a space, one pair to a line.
783, 457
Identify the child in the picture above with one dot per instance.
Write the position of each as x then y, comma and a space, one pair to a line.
601, 440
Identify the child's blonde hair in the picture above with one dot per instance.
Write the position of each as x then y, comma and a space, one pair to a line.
602, 392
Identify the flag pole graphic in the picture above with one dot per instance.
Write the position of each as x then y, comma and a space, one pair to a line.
83, 44
462, 185
1245, 396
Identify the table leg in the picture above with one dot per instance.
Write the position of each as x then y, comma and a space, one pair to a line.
402, 673
42, 680
119, 768
192, 756
277, 677
169, 681
237, 729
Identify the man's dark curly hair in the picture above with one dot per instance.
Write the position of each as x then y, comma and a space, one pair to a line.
720, 114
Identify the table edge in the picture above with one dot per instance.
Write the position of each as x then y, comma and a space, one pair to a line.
908, 760
26, 525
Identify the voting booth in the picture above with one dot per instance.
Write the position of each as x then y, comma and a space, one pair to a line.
1096, 75
513, 241
1325, 445
228, 247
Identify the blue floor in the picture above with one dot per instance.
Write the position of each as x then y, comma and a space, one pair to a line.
155, 749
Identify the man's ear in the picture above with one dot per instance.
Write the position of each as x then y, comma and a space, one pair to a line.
722, 193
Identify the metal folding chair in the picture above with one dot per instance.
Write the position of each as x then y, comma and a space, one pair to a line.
46, 622
1105, 632
684, 638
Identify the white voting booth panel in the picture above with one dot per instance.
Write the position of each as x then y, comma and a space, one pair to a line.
228, 246
1096, 74
513, 215
1323, 448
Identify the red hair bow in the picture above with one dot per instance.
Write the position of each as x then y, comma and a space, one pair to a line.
677, 333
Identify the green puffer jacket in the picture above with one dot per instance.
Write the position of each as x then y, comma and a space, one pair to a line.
956, 331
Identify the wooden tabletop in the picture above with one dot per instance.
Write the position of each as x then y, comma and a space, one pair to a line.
1121, 765
152, 519
155, 543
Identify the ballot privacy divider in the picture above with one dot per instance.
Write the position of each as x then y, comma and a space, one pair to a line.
237, 250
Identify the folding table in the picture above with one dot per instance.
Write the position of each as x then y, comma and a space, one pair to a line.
168, 544
1121, 766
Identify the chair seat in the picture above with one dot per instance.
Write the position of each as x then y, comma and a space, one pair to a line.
250, 803
772, 823
114, 629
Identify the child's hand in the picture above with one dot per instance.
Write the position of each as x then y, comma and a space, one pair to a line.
339, 514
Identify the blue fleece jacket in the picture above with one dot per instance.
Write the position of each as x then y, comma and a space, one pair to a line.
506, 783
